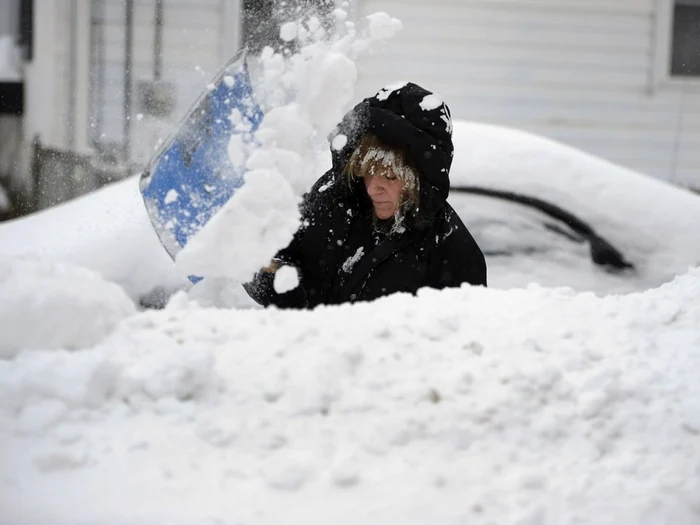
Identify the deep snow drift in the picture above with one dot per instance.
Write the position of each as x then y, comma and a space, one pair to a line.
471, 405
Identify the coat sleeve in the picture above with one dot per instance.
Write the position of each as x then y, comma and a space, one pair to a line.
458, 258
262, 288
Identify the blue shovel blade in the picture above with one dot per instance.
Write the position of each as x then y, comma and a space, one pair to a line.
191, 176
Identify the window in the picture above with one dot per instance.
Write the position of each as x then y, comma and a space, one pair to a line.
677, 50
685, 43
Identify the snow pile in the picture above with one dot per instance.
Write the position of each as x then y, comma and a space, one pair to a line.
304, 95
532, 406
216, 292
51, 305
107, 231
10, 62
652, 222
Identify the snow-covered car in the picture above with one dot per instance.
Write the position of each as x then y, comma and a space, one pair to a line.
652, 224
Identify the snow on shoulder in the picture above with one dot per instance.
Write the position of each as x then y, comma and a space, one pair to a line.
471, 404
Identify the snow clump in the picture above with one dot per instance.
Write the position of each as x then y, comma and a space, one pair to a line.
286, 279
47, 305
288, 31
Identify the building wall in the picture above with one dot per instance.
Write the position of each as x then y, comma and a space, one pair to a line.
579, 71
56, 79
44, 80
198, 36
75, 82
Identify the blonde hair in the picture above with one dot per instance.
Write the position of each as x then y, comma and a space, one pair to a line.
372, 156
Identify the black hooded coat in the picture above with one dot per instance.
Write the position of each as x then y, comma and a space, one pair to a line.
339, 255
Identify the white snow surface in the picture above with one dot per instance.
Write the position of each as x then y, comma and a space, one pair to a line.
10, 61
48, 305
471, 405
107, 231
653, 223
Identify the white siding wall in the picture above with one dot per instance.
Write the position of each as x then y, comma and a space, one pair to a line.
196, 42
579, 71
46, 79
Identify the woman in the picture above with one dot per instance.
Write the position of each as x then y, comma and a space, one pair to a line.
378, 222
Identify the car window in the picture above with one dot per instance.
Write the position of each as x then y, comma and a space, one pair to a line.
504, 228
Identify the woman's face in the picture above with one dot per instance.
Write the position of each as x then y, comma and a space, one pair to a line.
385, 192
